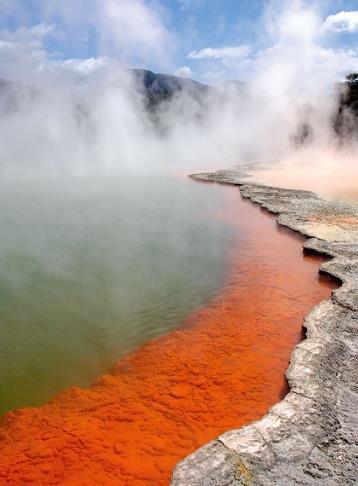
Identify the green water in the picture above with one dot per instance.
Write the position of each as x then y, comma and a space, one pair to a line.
90, 269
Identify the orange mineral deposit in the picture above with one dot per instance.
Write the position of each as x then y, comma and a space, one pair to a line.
223, 368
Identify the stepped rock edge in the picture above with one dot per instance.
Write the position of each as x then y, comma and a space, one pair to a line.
311, 436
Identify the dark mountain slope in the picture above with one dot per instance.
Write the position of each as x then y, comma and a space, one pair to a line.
160, 88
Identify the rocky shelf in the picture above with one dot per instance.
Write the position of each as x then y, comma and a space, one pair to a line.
311, 436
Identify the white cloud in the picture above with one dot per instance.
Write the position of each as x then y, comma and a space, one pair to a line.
22, 50
342, 22
134, 29
83, 67
233, 52
295, 57
23, 57
32, 35
184, 72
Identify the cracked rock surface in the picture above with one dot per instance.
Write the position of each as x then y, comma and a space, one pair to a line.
310, 437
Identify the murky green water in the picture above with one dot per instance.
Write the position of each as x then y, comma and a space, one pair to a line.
91, 269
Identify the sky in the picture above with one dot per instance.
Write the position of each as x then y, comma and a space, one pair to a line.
208, 40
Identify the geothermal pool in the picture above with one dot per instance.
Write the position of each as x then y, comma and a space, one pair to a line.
93, 268
246, 286
335, 177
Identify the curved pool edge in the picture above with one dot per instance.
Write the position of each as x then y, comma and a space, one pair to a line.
310, 437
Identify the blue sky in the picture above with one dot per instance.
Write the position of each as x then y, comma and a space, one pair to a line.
209, 40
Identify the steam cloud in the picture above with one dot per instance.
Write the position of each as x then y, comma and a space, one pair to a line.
82, 116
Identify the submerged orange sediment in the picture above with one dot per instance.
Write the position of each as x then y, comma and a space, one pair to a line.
223, 369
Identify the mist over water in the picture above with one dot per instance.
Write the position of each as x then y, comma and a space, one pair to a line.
91, 272
90, 116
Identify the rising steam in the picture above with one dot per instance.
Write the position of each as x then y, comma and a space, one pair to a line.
91, 116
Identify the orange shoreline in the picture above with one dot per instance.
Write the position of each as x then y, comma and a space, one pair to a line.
224, 368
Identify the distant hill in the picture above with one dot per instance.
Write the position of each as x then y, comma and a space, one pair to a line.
160, 88
164, 85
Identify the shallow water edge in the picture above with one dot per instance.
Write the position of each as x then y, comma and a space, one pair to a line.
310, 436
